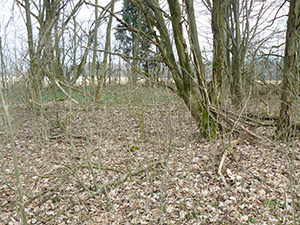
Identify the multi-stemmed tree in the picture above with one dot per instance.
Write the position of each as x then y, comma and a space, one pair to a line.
144, 27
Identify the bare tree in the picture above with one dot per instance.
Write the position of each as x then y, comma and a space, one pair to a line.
93, 72
284, 127
195, 98
3, 76
218, 29
104, 63
240, 34
45, 54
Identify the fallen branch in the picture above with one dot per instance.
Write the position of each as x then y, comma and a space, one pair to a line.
228, 150
66, 85
72, 114
126, 175
233, 122
101, 188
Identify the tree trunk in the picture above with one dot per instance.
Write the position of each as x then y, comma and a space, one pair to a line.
94, 52
284, 127
33, 73
201, 78
3, 76
236, 69
218, 68
103, 68
182, 73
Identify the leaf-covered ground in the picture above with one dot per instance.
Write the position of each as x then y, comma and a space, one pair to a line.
143, 164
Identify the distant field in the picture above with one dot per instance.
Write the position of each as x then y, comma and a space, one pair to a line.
115, 80
81, 80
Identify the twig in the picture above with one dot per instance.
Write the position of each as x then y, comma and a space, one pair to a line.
128, 174
101, 188
31, 198
66, 85
58, 85
228, 150
145, 75
72, 114
15, 160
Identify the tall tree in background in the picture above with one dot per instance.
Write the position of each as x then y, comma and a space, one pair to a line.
133, 44
195, 46
32, 60
284, 127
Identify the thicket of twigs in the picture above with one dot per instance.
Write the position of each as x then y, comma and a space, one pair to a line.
138, 158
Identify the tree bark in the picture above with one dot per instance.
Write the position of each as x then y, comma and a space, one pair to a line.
94, 52
183, 73
104, 63
236, 69
284, 127
218, 67
33, 74
195, 47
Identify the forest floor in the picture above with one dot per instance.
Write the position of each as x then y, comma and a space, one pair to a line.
143, 162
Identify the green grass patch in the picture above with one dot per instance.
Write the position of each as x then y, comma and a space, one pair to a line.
112, 95
271, 203
122, 95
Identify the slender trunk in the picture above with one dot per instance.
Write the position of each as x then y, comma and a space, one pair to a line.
227, 39
94, 52
120, 72
2, 66
74, 52
110, 69
195, 42
33, 75
107, 45
236, 69
29, 30
58, 70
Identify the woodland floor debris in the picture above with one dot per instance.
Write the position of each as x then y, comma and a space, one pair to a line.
62, 169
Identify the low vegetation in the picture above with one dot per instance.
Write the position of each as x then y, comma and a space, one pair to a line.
138, 158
